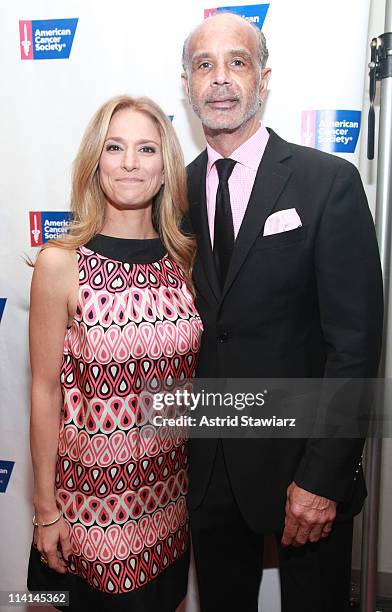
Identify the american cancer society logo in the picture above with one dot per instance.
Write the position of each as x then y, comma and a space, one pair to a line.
6, 468
2, 306
45, 226
256, 13
47, 39
335, 131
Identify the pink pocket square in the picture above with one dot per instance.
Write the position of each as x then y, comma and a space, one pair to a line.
282, 221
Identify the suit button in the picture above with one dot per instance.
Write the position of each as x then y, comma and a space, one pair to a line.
223, 337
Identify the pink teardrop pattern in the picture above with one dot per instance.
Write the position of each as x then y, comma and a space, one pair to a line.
122, 487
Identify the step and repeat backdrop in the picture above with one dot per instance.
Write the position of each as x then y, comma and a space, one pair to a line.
59, 62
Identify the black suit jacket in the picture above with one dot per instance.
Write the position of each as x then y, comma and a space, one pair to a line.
303, 303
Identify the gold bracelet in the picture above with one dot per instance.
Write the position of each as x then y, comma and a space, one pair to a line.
47, 524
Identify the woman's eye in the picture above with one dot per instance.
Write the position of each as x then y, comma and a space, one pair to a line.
147, 149
112, 147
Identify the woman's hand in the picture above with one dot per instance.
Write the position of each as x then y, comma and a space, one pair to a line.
54, 545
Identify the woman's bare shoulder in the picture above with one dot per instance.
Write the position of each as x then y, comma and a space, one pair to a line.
55, 257
56, 264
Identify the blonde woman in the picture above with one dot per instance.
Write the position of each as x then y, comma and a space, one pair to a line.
111, 311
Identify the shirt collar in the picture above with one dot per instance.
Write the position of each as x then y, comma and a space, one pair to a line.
248, 154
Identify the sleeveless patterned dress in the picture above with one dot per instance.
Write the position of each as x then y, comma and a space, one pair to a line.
121, 489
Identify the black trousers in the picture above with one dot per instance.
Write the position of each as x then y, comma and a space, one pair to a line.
229, 559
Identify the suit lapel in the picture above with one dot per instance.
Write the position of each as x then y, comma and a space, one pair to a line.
199, 217
270, 181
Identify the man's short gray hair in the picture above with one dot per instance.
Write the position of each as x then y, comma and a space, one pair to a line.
262, 43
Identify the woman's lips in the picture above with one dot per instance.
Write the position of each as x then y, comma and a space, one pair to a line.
129, 180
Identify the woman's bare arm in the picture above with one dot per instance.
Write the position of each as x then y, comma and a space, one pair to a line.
52, 293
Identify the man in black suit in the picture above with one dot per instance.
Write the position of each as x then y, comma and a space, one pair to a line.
288, 286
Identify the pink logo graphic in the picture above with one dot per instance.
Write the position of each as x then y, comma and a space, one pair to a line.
35, 229
26, 40
308, 128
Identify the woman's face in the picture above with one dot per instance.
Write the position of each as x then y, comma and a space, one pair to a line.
131, 164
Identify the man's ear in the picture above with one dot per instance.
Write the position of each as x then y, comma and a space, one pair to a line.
265, 77
185, 81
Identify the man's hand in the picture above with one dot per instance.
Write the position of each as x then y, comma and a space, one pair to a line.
309, 517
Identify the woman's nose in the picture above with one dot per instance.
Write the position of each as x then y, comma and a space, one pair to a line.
129, 160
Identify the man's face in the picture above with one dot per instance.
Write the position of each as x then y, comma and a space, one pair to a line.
224, 81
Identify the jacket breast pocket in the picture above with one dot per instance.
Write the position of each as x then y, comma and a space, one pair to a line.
279, 263
282, 239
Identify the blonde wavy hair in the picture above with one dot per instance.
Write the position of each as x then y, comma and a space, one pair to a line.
88, 203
